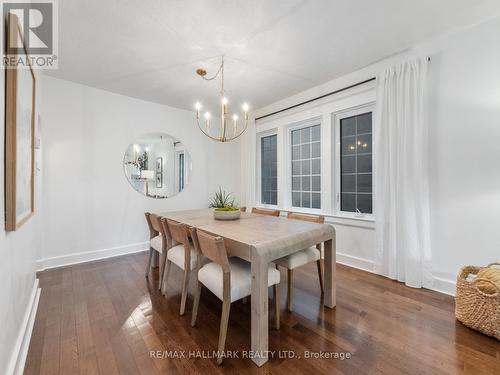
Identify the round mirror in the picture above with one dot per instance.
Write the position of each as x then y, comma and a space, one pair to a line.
157, 165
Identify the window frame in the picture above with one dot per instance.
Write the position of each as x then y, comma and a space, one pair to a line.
258, 188
315, 121
336, 118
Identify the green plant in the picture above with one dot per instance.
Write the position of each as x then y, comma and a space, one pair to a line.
227, 209
221, 199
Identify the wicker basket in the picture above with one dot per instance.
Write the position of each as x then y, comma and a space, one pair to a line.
475, 309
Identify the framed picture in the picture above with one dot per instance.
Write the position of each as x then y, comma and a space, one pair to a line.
159, 165
159, 180
159, 172
20, 88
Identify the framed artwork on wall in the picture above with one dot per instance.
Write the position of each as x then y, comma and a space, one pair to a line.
159, 172
20, 88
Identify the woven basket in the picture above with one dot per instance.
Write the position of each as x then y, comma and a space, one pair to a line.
475, 309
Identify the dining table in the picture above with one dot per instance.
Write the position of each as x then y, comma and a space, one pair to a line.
260, 239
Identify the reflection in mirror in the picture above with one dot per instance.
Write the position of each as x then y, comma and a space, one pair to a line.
157, 165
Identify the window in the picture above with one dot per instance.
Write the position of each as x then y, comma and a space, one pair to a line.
269, 169
356, 163
306, 167
181, 172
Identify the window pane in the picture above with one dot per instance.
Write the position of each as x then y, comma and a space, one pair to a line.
306, 163
306, 200
305, 151
268, 170
316, 183
315, 200
316, 150
365, 203
356, 163
365, 183
316, 133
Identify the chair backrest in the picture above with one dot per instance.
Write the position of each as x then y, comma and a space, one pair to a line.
164, 226
265, 212
313, 218
211, 246
154, 224
243, 209
178, 232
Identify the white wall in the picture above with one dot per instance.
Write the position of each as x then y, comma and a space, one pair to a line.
19, 250
464, 93
88, 204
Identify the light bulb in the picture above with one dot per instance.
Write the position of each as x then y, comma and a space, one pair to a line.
235, 117
207, 115
245, 107
198, 106
224, 100
136, 148
147, 149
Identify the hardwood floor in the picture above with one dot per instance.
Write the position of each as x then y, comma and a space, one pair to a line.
104, 318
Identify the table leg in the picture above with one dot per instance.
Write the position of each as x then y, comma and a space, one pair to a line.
329, 273
259, 310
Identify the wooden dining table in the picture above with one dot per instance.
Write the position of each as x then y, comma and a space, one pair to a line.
260, 239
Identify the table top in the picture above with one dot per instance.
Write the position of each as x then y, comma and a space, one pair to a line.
269, 235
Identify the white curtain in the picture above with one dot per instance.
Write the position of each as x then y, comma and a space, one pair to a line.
401, 175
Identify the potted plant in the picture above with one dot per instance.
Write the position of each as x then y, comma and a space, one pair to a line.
223, 205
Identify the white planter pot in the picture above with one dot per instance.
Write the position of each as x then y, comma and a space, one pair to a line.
227, 215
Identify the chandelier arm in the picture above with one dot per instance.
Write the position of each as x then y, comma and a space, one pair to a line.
218, 139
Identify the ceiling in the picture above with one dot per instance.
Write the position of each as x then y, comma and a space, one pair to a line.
150, 49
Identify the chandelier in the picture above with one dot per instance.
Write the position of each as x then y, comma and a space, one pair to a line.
226, 127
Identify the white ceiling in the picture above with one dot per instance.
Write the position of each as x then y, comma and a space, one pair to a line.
150, 49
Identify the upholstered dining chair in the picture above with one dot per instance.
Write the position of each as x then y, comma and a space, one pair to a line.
230, 279
182, 254
243, 209
157, 242
302, 257
261, 211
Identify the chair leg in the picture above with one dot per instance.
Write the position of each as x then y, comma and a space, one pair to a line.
224, 319
320, 274
185, 284
290, 290
148, 267
163, 258
276, 292
197, 295
164, 281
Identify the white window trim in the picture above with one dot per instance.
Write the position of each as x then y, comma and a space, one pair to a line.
287, 183
324, 111
337, 116
258, 187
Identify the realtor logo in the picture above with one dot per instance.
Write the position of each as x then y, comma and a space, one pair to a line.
31, 39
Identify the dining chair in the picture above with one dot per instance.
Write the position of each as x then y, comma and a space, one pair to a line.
157, 242
243, 209
302, 257
182, 254
261, 211
230, 279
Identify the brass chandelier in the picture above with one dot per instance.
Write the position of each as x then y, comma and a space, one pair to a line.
226, 128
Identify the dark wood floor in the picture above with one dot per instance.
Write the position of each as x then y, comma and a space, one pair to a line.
105, 318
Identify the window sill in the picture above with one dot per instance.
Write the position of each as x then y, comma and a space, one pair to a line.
367, 222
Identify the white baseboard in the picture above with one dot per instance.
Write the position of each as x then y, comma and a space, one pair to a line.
21, 346
88, 256
439, 284
444, 286
356, 262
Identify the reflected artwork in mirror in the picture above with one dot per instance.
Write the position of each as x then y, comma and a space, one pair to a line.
157, 165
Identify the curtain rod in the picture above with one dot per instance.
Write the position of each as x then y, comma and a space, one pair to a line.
317, 98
